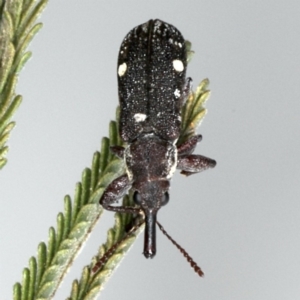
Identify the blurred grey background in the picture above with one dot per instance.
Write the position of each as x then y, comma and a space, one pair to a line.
239, 221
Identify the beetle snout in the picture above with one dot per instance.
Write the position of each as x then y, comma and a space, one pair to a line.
150, 235
149, 253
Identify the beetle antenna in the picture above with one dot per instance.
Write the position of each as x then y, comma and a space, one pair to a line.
102, 261
193, 264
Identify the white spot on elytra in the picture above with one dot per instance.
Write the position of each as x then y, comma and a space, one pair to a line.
178, 65
140, 117
180, 45
177, 93
122, 69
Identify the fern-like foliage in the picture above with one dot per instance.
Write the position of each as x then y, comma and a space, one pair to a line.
17, 28
45, 272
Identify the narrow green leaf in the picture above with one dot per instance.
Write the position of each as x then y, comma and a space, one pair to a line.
88, 213
110, 238
119, 141
9, 127
86, 184
74, 291
33, 270
104, 154
60, 229
197, 119
189, 51
186, 113
27, 24
51, 245
20, 57
10, 111
118, 228
28, 38
85, 276
3, 151
20, 63
8, 93
41, 259
46, 291
113, 133
187, 110
98, 285
68, 216
77, 198
3, 162
6, 64
7, 26
199, 103
2, 3
116, 167
25, 283
96, 195
105, 180
95, 170
17, 291
201, 87
14, 8
27, 8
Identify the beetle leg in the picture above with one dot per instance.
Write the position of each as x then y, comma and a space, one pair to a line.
187, 88
189, 146
191, 164
116, 190
118, 151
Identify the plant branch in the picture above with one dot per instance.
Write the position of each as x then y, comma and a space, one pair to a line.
17, 29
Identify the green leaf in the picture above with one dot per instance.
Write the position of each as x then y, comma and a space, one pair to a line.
51, 245
7, 59
22, 61
17, 291
33, 271
74, 291
17, 28
83, 284
29, 19
67, 216
104, 153
42, 261
193, 111
25, 283
190, 52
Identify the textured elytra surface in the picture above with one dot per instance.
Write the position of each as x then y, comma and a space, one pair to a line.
151, 84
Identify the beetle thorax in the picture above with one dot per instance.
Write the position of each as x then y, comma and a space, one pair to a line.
150, 159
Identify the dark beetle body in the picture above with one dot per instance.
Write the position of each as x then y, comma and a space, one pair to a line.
152, 88
150, 81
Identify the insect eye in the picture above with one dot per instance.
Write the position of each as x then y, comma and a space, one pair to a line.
165, 199
137, 198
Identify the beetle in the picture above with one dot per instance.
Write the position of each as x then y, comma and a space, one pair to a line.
152, 89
